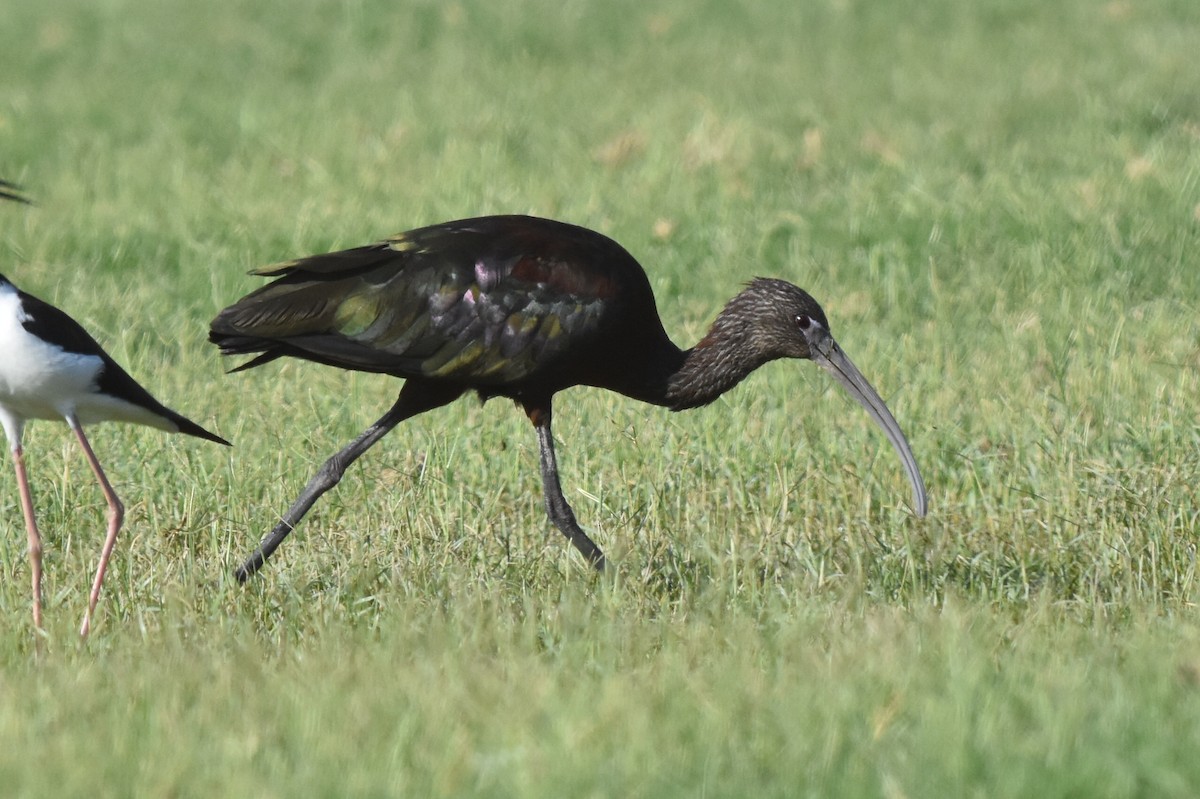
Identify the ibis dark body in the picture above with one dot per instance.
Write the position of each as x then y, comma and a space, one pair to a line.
517, 307
507, 306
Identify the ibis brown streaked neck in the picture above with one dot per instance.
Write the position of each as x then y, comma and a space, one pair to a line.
53, 369
773, 319
517, 307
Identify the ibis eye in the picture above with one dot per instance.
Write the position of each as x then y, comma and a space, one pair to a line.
803, 321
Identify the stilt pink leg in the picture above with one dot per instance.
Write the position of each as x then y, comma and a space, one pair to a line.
35, 538
116, 515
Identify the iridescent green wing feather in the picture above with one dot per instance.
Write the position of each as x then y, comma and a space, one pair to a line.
487, 301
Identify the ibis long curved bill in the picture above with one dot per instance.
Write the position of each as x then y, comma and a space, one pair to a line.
826, 352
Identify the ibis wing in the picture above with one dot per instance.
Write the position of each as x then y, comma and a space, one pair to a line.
487, 301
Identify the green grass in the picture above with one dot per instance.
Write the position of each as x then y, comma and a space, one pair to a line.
998, 204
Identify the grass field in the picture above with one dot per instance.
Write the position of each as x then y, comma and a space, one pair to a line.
997, 203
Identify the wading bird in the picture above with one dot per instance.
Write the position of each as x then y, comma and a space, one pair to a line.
517, 307
52, 369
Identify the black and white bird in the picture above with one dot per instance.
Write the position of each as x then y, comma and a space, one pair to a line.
51, 368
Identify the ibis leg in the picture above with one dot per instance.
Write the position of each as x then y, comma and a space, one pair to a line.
416, 397
557, 507
116, 515
31, 529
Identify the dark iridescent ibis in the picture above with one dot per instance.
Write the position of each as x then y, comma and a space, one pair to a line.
51, 368
517, 307
11, 191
